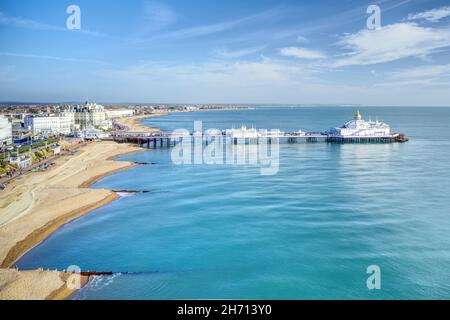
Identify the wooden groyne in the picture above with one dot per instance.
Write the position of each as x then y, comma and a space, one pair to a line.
95, 273
131, 191
145, 163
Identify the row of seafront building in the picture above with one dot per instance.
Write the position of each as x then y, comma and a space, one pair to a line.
75, 118
81, 117
63, 120
20, 128
68, 119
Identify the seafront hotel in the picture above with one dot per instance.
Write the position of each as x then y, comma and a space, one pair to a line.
5, 131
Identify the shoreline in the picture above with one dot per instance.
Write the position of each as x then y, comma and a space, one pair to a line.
91, 199
39, 234
46, 231
36, 236
133, 124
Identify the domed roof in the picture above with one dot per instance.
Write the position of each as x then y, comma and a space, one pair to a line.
358, 115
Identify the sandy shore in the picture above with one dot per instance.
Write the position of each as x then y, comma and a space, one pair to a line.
34, 206
133, 123
34, 285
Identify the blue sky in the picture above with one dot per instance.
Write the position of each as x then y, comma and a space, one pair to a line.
202, 51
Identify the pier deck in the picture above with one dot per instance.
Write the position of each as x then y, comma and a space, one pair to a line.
168, 138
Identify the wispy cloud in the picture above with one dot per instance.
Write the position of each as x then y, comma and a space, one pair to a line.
25, 23
429, 71
405, 83
8, 74
427, 75
156, 17
302, 39
227, 54
209, 29
303, 31
390, 43
302, 53
45, 57
433, 15
218, 81
212, 73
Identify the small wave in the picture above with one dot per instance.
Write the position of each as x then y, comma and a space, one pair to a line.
99, 282
126, 194
96, 283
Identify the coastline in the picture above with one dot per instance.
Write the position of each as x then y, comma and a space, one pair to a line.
17, 237
133, 124
43, 203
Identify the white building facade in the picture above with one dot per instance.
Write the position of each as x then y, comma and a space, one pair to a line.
22, 162
5, 131
87, 116
361, 128
48, 125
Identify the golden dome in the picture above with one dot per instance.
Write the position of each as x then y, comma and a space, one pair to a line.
358, 115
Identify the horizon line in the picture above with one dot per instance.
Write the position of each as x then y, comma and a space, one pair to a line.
2, 103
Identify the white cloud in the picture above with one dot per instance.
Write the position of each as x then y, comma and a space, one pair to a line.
226, 54
302, 39
263, 81
214, 81
301, 53
208, 29
390, 43
158, 15
25, 23
417, 77
45, 57
433, 15
8, 74
405, 83
422, 72
224, 72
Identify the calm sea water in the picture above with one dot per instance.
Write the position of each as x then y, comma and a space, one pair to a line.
310, 231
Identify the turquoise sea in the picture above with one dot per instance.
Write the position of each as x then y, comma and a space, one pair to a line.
308, 232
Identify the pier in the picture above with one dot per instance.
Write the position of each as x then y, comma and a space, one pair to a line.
169, 139
356, 130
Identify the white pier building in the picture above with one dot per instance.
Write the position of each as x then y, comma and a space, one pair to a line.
359, 128
242, 133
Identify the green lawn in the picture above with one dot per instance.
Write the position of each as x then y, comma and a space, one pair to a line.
25, 149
